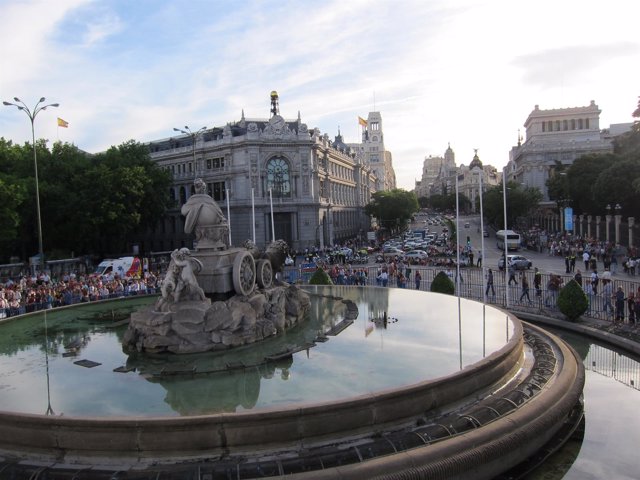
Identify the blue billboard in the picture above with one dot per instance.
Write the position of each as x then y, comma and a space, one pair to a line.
568, 219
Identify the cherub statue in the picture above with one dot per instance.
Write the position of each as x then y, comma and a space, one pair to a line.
181, 283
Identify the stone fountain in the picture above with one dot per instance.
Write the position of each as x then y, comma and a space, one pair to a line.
217, 296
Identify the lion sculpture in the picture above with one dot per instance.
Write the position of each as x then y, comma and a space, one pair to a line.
276, 252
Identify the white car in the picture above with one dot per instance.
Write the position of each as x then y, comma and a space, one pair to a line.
416, 255
518, 261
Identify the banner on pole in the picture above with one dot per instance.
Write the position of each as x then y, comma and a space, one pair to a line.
568, 219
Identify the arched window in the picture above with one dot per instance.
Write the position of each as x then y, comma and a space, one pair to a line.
183, 195
278, 177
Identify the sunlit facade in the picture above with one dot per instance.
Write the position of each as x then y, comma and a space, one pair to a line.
318, 187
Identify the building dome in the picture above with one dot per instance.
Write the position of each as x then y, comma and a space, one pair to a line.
475, 163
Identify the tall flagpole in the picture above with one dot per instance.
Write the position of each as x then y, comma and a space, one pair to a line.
253, 217
228, 216
273, 228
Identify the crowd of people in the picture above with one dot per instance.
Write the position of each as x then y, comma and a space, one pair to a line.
38, 292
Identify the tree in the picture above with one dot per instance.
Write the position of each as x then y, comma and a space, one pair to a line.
521, 201
581, 178
89, 204
615, 185
393, 208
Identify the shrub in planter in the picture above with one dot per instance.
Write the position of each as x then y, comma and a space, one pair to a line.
320, 277
572, 301
442, 284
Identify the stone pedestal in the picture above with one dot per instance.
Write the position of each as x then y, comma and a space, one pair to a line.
216, 275
200, 326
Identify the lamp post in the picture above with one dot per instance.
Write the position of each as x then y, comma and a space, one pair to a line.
194, 137
20, 105
506, 251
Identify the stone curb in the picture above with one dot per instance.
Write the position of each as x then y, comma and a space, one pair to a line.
582, 328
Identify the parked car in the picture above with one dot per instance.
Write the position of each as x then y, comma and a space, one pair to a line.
485, 233
518, 261
415, 255
392, 252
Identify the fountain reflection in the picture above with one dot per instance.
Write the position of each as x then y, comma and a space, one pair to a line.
328, 357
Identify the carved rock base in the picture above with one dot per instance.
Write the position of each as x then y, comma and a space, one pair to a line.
199, 326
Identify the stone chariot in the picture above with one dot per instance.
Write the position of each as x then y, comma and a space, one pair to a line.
225, 269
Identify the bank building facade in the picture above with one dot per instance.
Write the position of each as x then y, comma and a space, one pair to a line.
315, 187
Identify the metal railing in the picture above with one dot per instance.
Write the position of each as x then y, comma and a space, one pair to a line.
473, 286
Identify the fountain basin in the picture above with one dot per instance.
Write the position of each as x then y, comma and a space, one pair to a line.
302, 427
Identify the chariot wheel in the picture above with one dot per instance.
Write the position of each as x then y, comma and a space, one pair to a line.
244, 273
264, 273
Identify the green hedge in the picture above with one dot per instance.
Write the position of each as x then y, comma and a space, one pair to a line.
572, 301
320, 277
442, 284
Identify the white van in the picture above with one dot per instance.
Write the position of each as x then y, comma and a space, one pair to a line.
123, 267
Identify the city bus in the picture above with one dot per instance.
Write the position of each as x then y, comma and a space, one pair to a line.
512, 239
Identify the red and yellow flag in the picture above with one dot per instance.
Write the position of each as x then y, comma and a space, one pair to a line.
62, 123
362, 121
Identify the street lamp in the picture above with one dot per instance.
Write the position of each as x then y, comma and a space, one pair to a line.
194, 136
506, 251
20, 105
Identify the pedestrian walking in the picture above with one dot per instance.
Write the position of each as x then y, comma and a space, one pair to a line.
490, 284
585, 259
512, 274
607, 297
537, 282
417, 278
620, 300
525, 287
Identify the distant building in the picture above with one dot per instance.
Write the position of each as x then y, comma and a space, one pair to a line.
474, 177
318, 187
374, 152
439, 177
446, 180
557, 137
430, 170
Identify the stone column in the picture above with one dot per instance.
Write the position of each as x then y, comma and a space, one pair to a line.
618, 219
589, 226
574, 229
581, 219
608, 222
630, 221
598, 227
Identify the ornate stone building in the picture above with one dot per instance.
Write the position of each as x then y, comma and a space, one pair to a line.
316, 187
474, 177
557, 137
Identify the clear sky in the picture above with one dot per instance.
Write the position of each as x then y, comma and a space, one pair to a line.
464, 72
